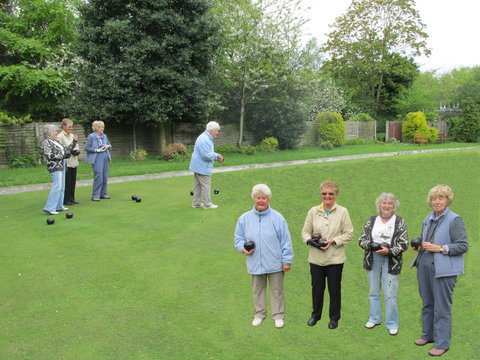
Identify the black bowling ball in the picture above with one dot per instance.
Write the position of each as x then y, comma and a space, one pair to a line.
249, 245
416, 242
50, 221
216, 191
375, 246
134, 197
138, 199
191, 192
69, 215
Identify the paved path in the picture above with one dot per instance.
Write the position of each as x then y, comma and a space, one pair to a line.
38, 187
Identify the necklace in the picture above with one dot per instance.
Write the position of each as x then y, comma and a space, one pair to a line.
386, 218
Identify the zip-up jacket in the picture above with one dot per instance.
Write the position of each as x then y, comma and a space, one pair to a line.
273, 245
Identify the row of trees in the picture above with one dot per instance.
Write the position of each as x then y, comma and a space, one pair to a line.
159, 62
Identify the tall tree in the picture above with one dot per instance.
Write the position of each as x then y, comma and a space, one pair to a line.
144, 62
365, 44
35, 36
259, 57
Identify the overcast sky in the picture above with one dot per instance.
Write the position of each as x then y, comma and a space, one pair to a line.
452, 26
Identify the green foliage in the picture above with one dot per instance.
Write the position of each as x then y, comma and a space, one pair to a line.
326, 145
381, 136
361, 117
143, 62
138, 155
269, 144
175, 151
248, 150
467, 129
35, 36
356, 141
227, 149
415, 123
22, 161
6, 119
331, 128
371, 48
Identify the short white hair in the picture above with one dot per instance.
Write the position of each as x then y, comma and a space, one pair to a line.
261, 189
391, 198
212, 126
49, 129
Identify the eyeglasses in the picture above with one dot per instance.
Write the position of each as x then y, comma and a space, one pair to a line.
325, 194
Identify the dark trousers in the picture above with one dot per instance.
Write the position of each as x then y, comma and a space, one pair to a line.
333, 274
70, 183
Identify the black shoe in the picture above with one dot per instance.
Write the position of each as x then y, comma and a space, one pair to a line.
69, 203
333, 324
312, 321
75, 202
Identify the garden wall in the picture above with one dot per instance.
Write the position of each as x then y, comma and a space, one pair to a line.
27, 138
365, 130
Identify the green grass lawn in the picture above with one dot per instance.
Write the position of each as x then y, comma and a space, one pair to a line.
160, 280
122, 166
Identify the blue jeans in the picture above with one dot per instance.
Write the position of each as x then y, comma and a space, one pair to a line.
377, 277
55, 198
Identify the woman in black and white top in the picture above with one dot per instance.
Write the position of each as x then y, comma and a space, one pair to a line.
55, 155
384, 239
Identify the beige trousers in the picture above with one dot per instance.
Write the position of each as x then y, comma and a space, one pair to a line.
277, 297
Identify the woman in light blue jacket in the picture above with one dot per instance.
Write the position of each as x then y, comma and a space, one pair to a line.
439, 261
202, 164
97, 148
271, 256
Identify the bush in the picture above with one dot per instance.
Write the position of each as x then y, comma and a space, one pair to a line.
326, 145
175, 151
227, 149
22, 161
248, 150
361, 117
381, 136
416, 123
467, 128
138, 155
269, 144
331, 128
355, 142
6, 119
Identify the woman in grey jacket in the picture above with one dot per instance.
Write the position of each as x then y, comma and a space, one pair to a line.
439, 260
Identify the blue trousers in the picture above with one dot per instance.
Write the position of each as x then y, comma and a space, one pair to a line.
379, 277
55, 198
100, 175
436, 294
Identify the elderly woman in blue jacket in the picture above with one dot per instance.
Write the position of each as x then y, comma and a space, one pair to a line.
439, 260
271, 256
202, 164
97, 148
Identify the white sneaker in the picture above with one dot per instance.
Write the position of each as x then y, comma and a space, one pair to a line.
279, 323
393, 332
370, 325
257, 321
51, 212
212, 206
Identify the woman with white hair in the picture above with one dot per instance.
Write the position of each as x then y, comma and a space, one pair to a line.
55, 155
262, 235
202, 164
384, 239
97, 148
439, 260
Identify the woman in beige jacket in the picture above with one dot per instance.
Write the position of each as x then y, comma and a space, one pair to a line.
326, 256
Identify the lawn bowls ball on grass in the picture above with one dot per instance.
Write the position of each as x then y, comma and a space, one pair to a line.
134, 197
138, 199
191, 192
216, 191
50, 221
69, 215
